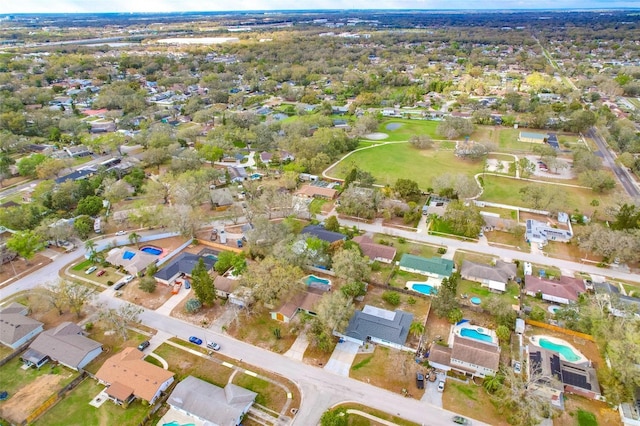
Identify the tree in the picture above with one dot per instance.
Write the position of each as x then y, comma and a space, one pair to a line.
50, 168
76, 295
335, 417
501, 310
272, 280
454, 127
90, 206
202, 283
416, 329
83, 225
408, 189
134, 238
5, 167
354, 289
349, 265
334, 311
114, 191
228, 259
24, 243
121, 319
332, 224
27, 165
90, 245
599, 180
421, 141
147, 284
455, 315
465, 219
52, 294
627, 217
444, 300
503, 333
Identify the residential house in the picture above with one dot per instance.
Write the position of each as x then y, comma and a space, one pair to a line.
580, 379
128, 376
76, 175
313, 191
182, 264
563, 290
620, 305
467, 356
303, 301
134, 261
267, 157
375, 251
323, 234
209, 404
102, 126
16, 328
495, 276
532, 137
65, 344
540, 233
237, 174
221, 197
435, 267
78, 151
225, 286
377, 325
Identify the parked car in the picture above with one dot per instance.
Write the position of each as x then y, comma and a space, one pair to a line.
461, 420
91, 270
128, 279
143, 345
517, 367
119, 285
121, 233
239, 243
420, 380
214, 346
101, 273
441, 386
195, 340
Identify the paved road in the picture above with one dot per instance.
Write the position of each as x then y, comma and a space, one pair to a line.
610, 162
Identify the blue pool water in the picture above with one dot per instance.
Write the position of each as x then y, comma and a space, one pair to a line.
563, 350
312, 279
422, 288
152, 250
475, 334
211, 256
476, 300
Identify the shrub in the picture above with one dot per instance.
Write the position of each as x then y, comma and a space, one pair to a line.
192, 306
109, 283
391, 297
402, 240
88, 326
442, 250
411, 300
375, 266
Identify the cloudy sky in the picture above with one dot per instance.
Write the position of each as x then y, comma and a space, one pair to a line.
80, 6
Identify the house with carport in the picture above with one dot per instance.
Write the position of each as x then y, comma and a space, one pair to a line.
194, 401
128, 376
182, 265
304, 301
16, 328
66, 344
495, 277
380, 326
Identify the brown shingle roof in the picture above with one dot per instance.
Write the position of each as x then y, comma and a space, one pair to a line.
566, 287
373, 250
225, 284
440, 354
317, 191
119, 391
476, 352
304, 300
129, 367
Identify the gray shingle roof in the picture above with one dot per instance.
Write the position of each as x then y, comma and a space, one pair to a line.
15, 326
211, 403
501, 272
385, 325
321, 233
183, 264
65, 344
476, 352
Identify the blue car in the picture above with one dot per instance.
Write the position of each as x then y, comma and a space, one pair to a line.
196, 340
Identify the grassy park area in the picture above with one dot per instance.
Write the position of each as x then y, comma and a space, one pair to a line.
402, 130
389, 163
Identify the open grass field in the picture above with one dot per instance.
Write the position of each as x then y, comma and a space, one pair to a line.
407, 129
186, 364
74, 409
507, 191
269, 394
357, 420
388, 163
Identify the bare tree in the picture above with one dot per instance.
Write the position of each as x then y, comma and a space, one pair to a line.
122, 318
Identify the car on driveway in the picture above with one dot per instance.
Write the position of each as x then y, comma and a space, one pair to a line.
101, 273
214, 346
128, 279
195, 340
420, 380
441, 386
90, 270
143, 345
119, 285
461, 420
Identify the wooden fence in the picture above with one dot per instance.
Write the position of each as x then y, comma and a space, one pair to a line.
559, 329
54, 399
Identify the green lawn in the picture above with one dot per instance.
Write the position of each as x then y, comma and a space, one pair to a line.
388, 163
269, 394
13, 378
586, 418
408, 128
82, 265
506, 191
508, 140
74, 409
186, 364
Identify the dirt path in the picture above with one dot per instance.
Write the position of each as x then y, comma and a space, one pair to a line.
27, 399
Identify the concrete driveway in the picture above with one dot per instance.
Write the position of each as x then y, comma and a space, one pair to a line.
342, 358
431, 394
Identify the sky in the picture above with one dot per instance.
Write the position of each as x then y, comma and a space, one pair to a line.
88, 6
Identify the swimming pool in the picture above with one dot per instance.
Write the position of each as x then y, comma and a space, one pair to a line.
476, 300
427, 287
565, 351
313, 280
152, 250
422, 288
475, 333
